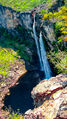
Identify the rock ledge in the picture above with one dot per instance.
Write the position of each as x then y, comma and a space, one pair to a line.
50, 98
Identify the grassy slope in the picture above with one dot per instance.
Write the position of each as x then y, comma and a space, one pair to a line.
7, 58
22, 5
10, 48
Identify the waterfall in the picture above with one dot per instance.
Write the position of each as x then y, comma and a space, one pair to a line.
37, 44
44, 64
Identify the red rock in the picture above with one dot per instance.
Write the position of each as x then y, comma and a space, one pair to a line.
50, 98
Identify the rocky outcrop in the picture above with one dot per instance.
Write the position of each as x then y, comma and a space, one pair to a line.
20, 25
50, 98
10, 19
16, 71
48, 29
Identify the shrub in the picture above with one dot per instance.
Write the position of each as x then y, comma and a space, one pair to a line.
15, 116
60, 19
59, 61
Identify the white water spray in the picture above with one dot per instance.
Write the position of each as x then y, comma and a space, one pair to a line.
37, 44
45, 63
45, 67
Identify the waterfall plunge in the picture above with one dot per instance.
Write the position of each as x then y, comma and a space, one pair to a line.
37, 44
45, 63
45, 67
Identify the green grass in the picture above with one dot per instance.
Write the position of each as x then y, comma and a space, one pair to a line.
22, 5
7, 57
10, 48
15, 116
18, 44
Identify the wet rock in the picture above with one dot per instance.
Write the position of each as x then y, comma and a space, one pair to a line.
50, 98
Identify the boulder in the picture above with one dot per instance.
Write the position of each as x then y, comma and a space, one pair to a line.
50, 99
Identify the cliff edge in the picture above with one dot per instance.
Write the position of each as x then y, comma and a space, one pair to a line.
50, 99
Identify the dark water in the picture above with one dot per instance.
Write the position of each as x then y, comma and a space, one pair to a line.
20, 95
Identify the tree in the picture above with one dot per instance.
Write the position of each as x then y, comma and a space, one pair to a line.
60, 19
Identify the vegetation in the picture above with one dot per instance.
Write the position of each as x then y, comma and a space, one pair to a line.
22, 5
7, 57
16, 47
60, 20
58, 61
58, 57
16, 42
15, 116
12, 47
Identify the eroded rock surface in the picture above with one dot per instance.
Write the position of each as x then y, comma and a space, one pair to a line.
50, 98
10, 19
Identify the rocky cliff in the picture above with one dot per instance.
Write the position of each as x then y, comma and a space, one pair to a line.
16, 33
10, 19
50, 99
19, 25
49, 96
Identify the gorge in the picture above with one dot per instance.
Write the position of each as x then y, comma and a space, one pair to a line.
33, 63
22, 92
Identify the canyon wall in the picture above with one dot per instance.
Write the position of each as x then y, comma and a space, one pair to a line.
10, 19
20, 25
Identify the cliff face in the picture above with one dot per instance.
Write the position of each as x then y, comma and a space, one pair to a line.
10, 19
51, 37
19, 25
50, 98
16, 33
